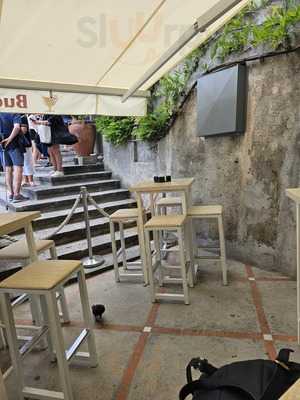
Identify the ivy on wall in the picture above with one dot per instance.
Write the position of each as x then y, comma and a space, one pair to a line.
239, 35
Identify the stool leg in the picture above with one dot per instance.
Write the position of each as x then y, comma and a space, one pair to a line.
114, 251
160, 269
86, 312
144, 267
222, 249
123, 246
3, 395
58, 342
3, 343
47, 323
62, 296
149, 266
190, 237
183, 267
13, 343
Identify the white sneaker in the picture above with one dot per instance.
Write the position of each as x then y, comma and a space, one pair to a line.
52, 173
57, 174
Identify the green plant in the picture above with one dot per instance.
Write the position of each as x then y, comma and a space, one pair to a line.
117, 130
240, 34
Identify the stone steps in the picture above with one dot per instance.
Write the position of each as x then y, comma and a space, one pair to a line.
46, 191
63, 202
55, 218
55, 196
101, 245
60, 180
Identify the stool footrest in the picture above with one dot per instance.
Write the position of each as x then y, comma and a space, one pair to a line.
70, 353
169, 296
207, 257
42, 394
28, 346
133, 275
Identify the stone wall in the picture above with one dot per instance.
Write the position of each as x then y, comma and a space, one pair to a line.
247, 174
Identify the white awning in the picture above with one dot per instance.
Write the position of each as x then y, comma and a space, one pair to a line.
81, 57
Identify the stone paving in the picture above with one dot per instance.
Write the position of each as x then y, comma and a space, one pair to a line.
143, 348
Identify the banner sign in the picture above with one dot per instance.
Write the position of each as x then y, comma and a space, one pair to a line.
65, 103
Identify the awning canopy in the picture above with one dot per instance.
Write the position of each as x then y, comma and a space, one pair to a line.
86, 57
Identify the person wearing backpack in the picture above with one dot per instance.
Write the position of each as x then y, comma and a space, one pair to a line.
12, 154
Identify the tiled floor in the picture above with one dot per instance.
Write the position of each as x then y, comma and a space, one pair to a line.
143, 348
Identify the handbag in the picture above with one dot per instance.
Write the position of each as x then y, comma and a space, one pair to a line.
44, 132
64, 137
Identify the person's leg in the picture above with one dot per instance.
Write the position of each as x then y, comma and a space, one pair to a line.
17, 157
18, 174
58, 157
51, 152
9, 180
28, 170
7, 166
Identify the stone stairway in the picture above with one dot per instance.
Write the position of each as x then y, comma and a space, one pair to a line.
55, 196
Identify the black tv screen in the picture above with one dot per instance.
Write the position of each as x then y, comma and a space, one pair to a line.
222, 100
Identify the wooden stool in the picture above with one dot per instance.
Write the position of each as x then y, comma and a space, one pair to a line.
210, 212
43, 279
122, 216
164, 203
19, 251
168, 223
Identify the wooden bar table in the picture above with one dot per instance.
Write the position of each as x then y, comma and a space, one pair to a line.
182, 186
294, 194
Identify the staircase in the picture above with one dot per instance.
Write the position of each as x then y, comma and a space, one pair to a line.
55, 196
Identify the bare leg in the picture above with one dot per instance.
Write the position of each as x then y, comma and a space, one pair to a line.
51, 152
18, 173
36, 153
9, 179
57, 156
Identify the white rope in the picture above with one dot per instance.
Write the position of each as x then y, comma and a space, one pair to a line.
101, 211
66, 220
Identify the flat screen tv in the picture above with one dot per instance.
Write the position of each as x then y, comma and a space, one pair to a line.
222, 99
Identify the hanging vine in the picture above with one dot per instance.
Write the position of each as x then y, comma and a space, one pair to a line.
242, 33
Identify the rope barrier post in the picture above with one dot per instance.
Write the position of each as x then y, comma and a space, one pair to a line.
91, 261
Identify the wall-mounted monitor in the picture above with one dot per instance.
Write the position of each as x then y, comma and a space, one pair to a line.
222, 100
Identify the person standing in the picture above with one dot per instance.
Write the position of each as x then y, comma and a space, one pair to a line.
28, 169
57, 126
12, 154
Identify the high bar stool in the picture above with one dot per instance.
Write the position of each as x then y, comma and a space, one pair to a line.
164, 203
43, 279
19, 251
121, 217
168, 223
210, 212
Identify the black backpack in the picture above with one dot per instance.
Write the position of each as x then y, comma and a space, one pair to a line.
245, 380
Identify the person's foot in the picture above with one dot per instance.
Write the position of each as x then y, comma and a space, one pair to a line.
19, 197
25, 184
10, 197
48, 164
58, 174
52, 173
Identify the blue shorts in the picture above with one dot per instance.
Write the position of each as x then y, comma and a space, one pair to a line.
12, 157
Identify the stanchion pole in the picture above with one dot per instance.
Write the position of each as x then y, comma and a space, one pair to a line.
91, 261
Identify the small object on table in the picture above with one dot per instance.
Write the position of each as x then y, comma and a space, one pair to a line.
161, 179
168, 178
156, 179
98, 310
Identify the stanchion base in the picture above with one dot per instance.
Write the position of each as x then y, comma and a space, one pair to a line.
92, 262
